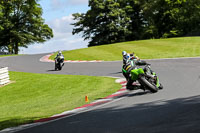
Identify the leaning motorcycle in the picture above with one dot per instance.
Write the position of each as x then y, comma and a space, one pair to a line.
59, 63
147, 79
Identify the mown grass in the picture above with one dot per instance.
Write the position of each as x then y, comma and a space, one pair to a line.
8, 55
145, 49
35, 96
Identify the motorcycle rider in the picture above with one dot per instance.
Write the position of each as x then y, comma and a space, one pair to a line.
60, 57
125, 56
134, 56
129, 65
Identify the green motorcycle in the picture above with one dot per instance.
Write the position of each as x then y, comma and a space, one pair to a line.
146, 78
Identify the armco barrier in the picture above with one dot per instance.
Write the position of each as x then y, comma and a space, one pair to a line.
4, 76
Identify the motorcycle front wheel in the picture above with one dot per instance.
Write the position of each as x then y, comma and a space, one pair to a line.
148, 85
60, 66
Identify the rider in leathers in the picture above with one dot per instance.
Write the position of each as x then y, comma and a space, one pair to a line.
128, 60
59, 56
129, 65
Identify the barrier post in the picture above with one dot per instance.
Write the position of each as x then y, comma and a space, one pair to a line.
4, 76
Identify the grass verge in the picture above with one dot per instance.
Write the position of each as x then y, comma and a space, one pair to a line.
8, 55
36, 96
145, 49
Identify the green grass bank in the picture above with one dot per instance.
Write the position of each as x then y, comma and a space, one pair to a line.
8, 55
145, 49
34, 96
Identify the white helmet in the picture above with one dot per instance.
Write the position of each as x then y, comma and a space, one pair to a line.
59, 52
124, 53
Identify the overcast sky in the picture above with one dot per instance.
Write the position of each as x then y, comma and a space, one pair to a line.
58, 15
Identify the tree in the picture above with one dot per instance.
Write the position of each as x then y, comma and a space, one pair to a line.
1, 17
187, 17
171, 18
134, 11
110, 21
2, 47
22, 24
104, 23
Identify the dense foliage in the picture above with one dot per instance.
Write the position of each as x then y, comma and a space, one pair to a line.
21, 24
109, 21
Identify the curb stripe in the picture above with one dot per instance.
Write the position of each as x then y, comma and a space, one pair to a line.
46, 59
91, 104
107, 99
50, 118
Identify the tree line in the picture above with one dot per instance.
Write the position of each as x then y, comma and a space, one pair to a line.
111, 21
21, 24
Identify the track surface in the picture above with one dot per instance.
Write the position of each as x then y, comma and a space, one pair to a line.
174, 109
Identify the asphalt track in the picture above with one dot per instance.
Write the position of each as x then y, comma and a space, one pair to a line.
175, 109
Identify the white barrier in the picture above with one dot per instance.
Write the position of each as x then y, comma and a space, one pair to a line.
4, 76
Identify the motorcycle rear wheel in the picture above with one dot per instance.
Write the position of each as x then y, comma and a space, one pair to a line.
60, 68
